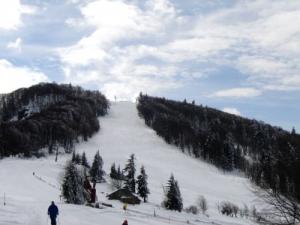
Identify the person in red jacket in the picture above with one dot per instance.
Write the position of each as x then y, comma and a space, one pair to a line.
125, 222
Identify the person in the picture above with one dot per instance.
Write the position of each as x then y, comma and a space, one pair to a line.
53, 213
125, 207
125, 222
93, 195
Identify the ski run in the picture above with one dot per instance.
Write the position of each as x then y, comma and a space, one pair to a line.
27, 186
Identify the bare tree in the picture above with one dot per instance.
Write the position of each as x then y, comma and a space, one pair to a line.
202, 203
282, 210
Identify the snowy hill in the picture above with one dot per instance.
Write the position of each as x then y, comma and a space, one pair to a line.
122, 133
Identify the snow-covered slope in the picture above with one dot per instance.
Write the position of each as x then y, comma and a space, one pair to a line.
122, 133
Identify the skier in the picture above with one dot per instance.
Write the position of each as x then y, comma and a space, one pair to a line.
53, 213
125, 222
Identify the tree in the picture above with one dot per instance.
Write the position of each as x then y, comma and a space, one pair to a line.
142, 188
72, 185
283, 210
76, 158
84, 161
202, 203
129, 172
113, 172
73, 156
96, 170
293, 132
120, 174
173, 199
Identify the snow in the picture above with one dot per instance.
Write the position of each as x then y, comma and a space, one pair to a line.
122, 133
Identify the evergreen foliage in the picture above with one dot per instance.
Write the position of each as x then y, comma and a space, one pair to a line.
72, 186
96, 171
48, 115
269, 156
129, 174
84, 161
142, 184
113, 172
173, 199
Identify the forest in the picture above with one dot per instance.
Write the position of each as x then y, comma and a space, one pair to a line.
48, 116
268, 155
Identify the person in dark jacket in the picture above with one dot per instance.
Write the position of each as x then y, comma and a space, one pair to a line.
53, 213
125, 222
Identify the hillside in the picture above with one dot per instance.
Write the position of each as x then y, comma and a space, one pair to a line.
122, 133
50, 116
268, 155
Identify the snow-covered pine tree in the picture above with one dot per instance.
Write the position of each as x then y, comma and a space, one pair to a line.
173, 196
142, 184
96, 171
72, 185
129, 173
84, 161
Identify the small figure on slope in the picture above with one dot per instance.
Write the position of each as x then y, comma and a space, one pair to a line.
125, 222
53, 213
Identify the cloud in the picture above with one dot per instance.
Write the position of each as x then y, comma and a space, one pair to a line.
99, 58
11, 13
12, 77
237, 93
136, 43
15, 45
231, 111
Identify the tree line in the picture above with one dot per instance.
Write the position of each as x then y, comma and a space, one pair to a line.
269, 155
49, 116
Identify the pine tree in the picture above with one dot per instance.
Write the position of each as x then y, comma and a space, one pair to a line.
84, 161
293, 132
96, 170
129, 171
142, 183
72, 186
73, 156
173, 196
113, 172
120, 174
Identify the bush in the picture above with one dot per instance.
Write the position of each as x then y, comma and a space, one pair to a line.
229, 209
192, 209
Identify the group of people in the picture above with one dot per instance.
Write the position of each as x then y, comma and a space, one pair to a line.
53, 213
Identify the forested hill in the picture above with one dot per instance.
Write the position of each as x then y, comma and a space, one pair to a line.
269, 155
48, 115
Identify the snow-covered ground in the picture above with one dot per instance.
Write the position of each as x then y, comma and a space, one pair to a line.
122, 132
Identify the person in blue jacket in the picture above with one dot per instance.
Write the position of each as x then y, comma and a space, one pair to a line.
53, 213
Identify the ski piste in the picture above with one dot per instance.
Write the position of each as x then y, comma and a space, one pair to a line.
122, 133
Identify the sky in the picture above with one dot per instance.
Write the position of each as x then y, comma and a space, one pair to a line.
242, 57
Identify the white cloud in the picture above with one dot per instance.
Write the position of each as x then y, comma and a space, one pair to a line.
264, 39
12, 77
153, 42
231, 111
99, 58
237, 93
15, 45
11, 12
